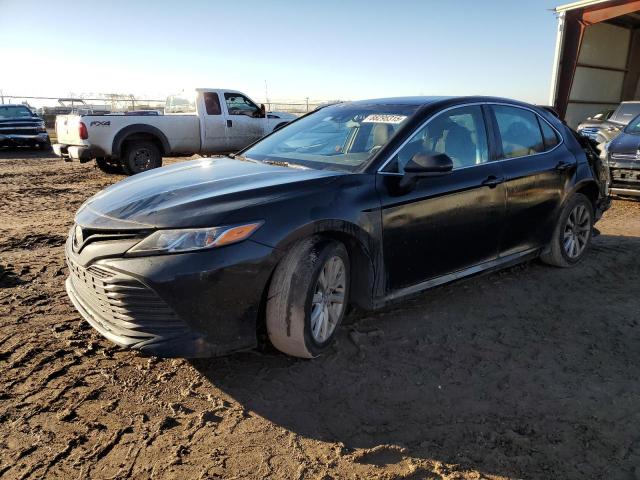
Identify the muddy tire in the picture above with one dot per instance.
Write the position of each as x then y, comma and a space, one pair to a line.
109, 165
140, 156
307, 297
573, 233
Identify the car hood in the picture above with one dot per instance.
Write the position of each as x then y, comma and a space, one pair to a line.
195, 193
625, 143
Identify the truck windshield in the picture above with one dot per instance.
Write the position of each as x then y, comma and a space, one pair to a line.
14, 111
339, 137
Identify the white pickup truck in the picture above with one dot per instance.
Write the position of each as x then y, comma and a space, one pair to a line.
209, 121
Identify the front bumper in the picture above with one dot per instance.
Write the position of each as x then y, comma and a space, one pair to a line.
625, 177
24, 140
198, 304
81, 153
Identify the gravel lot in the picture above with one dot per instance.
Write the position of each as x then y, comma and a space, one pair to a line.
526, 373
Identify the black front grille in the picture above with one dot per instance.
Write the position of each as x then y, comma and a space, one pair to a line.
122, 305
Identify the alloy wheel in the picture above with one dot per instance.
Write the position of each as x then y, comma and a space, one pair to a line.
576, 231
327, 303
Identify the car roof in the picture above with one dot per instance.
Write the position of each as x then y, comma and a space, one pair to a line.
421, 101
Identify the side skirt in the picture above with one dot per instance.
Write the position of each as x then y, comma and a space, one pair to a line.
485, 267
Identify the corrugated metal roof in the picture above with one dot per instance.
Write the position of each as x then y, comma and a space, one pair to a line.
579, 4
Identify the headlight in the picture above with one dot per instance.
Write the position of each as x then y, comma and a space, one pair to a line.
41, 127
188, 240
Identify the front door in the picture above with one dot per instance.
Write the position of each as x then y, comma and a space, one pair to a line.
445, 223
245, 122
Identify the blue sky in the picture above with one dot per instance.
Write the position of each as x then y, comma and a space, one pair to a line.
329, 49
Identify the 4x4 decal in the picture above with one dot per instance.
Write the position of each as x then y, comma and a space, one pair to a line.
97, 123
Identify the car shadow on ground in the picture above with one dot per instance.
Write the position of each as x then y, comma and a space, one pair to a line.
523, 372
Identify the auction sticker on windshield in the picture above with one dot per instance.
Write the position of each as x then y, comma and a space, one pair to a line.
383, 118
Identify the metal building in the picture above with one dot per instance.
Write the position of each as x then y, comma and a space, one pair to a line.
597, 59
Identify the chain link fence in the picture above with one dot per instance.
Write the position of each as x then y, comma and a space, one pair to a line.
49, 107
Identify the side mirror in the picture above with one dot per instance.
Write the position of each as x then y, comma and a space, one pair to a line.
423, 165
263, 111
428, 165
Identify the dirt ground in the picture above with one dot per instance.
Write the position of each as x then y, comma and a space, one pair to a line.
531, 372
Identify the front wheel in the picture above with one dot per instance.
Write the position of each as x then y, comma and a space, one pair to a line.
572, 235
307, 297
140, 156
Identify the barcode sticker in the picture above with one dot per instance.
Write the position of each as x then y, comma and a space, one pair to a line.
383, 118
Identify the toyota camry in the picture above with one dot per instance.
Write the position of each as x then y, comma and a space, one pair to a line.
359, 203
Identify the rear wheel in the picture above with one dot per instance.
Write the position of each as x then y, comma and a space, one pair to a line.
572, 235
109, 165
308, 296
140, 156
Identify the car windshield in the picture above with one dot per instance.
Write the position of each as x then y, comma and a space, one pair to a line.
14, 111
340, 137
634, 126
626, 112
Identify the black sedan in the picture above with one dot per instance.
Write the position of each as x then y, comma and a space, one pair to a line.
359, 203
623, 159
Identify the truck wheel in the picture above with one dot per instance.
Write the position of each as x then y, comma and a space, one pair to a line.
109, 165
572, 235
45, 146
307, 297
140, 156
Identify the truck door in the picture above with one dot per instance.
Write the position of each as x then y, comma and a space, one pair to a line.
214, 129
245, 122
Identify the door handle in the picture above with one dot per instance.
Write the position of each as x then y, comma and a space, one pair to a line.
492, 181
562, 166
229, 123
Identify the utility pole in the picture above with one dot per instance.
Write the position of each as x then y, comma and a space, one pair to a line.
307, 104
1, 97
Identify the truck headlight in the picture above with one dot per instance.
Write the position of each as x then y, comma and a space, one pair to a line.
191, 239
41, 127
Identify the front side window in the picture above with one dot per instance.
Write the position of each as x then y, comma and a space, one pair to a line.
240, 105
340, 137
212, 103
519, 131
459, 133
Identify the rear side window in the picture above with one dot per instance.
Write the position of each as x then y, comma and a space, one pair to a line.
549, 135
519, 131
212, 103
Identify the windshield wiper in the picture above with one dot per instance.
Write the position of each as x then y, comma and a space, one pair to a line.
242, 158
280, 163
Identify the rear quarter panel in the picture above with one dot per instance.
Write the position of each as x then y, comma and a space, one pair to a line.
182, 131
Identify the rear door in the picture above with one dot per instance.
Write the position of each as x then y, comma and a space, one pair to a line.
214, 128
245, 123
445, 223
536, 167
